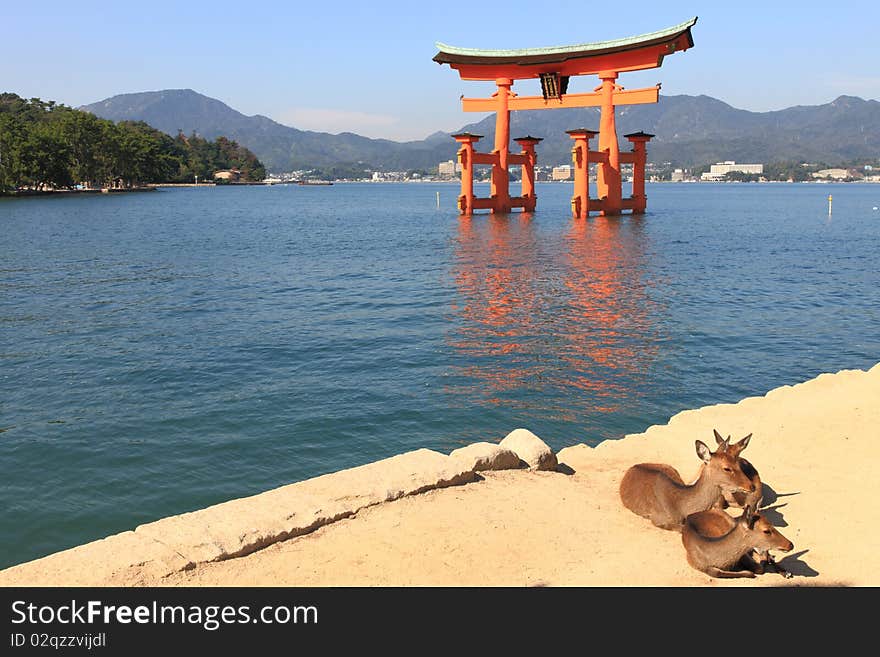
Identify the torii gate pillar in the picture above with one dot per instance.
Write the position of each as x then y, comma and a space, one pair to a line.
466, 160
639, 158
500, 187
608, 183
580, 157
528, 159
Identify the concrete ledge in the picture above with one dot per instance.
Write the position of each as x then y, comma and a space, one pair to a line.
109, 561
240, 526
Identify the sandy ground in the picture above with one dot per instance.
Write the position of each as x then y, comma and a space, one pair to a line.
815, 444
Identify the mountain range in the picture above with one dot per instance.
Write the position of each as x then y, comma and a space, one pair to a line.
690, 131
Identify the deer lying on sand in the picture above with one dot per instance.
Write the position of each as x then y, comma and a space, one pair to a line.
719, 545
656, 491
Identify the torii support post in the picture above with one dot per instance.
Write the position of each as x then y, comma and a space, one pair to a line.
580, 157
529, 159
608, 182
466, 159
640, 157
500, 187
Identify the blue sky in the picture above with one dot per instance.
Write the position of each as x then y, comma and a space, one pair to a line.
366, 66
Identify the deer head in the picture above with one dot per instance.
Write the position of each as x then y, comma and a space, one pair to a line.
723, 468
761, 533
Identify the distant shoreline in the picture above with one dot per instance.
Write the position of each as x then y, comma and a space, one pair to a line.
30, 193
151, 187
24, 193
213, 184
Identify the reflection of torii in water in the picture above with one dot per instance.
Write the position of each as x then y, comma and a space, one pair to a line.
522, 335
494, 265
554, 67
615, 316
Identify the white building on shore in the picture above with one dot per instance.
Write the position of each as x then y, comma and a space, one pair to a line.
833, 174
561, 173
448, 169
720, 169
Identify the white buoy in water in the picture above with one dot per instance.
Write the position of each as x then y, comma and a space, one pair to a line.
875, 208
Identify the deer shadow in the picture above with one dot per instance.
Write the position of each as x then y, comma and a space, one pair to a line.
792, 563
797, 566
769, 495
772, 514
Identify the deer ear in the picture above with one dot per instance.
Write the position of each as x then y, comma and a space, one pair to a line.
718, 438
703, 450
742, 444
748, 516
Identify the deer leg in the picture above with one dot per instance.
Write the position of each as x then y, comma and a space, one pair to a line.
752, 562
779, 569
759, 560
728, 574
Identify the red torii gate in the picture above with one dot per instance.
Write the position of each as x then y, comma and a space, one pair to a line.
554, 67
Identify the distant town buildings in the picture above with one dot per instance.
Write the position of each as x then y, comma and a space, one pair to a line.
561, 173
654, 172
448, 169
396, 176
719, 170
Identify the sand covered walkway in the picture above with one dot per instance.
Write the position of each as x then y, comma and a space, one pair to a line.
816, 445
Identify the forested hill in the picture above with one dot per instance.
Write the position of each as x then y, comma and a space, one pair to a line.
280, 147
47, 145
690, 131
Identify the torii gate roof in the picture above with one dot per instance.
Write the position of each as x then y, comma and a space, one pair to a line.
632, 53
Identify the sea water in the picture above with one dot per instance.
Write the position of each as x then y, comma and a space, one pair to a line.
165, 351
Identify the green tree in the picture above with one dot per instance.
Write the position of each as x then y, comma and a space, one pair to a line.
87, 141
741, 176
44, 158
